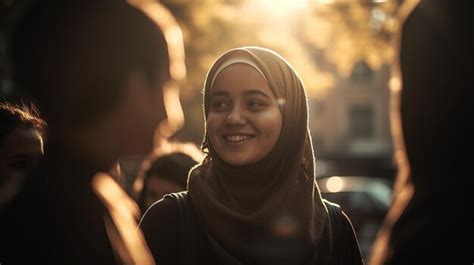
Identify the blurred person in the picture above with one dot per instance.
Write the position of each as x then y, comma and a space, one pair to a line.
97, 71
253, 199
166, 173
116, 173
429, 221
22, 135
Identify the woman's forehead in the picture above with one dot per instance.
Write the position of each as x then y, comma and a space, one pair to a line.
233, 58
240, 78
239, 53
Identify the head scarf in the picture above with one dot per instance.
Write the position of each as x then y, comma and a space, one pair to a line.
250, 211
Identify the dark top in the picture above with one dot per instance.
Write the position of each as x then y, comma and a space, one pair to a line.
436, 107
56, 218
161, 227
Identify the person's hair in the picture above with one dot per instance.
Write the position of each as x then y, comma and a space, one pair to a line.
13, 117
74, 57
173, 167
173, 162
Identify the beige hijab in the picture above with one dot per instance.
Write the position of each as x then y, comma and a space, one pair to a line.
263, 209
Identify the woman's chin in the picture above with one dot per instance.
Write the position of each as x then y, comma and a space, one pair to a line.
238, 161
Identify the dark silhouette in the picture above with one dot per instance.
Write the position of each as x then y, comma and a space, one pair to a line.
97, 71
430, 220
22, 134
253, 199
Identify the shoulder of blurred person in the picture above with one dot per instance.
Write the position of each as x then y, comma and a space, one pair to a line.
56, 223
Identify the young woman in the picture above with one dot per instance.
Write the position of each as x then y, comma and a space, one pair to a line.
253, 199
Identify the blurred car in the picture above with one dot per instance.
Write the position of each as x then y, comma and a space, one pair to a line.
364, 199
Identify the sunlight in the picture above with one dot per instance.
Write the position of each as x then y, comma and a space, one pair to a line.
395, 84
335, 184
122, 227
282, 7
174, 111
173, 34
345, 1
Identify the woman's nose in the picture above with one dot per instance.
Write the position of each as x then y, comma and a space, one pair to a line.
236, 117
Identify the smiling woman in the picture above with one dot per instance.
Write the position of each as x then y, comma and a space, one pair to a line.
253, 199
244, 119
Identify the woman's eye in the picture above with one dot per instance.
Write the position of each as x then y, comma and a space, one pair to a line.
220, 105
255, 104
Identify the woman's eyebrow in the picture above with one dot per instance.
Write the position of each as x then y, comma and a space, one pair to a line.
256, 92
219, 93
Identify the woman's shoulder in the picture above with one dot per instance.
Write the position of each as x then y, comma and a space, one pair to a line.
159, 225
347, 248
338, 217
164, 211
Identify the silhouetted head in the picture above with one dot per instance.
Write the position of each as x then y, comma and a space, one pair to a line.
96, 69
76, 57
22, 133
436, 71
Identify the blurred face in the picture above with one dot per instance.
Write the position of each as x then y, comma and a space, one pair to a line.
157, 188
156, 111
142, 112
20, 153
244, 121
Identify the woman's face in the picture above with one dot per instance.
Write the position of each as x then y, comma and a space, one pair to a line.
244, 121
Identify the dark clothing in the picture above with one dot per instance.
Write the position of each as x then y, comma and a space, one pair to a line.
161, 227
436, 224
425, 234
56, 218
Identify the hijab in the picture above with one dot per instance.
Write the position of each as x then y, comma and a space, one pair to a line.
272, 208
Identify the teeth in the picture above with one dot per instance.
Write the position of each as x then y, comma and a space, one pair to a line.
238, 138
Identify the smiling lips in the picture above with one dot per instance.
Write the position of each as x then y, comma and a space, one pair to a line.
238, 138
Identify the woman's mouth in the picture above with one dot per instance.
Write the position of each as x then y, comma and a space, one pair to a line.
238, 138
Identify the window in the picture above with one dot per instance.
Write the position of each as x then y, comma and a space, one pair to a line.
361, 122
362, 72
